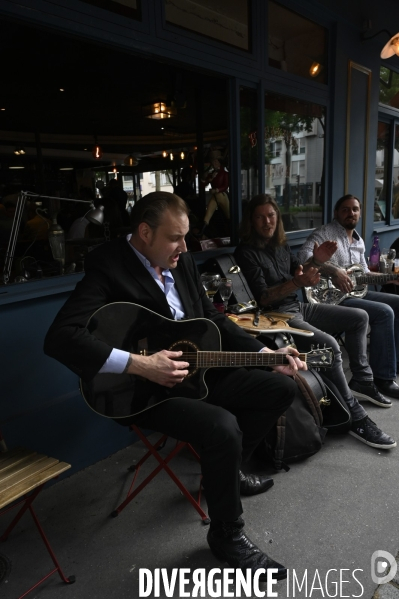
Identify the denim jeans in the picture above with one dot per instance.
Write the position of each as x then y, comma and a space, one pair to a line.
383, 311
325, 321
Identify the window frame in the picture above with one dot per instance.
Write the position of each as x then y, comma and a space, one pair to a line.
390, 116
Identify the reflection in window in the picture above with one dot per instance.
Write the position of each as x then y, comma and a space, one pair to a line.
381, 171
295, 172
249, 142
296, 45
386, 183
389, 87
224, 20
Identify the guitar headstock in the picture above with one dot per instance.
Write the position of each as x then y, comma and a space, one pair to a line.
320, 358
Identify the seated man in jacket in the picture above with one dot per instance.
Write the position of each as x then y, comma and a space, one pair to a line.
151, 268
382, 308
274, 275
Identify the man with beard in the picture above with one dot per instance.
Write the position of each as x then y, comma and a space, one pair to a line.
274, 275
382, 308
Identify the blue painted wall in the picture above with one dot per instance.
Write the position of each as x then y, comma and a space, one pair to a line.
41, 406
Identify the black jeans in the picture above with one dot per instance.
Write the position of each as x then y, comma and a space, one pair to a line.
225, 428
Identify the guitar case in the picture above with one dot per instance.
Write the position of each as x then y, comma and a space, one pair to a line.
318, 408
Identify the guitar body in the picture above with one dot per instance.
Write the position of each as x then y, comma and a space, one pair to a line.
132, 328
326, 293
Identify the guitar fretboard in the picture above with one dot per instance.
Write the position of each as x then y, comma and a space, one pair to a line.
375, 279
222, 359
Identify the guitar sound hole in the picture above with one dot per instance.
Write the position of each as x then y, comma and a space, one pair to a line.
189, 350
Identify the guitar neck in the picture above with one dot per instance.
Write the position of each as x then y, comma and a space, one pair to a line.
223, 359
375, 279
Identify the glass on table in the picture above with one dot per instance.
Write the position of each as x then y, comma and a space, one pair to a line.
225, 290
390, 259
210, 282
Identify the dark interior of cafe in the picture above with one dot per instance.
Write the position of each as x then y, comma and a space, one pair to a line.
74, 117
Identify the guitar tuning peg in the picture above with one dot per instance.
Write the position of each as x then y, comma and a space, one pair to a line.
318, 346
325, 346
312, 346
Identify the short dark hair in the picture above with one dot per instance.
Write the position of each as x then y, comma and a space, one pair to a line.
152, 206
247, 233
348, 196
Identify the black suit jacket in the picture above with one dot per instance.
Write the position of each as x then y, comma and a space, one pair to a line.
113, 273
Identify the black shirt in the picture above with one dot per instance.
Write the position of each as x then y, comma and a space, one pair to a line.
268, 267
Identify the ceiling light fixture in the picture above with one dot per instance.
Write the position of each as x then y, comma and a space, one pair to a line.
96, 150
164, 154
159, 110
392, 45
19, 151
2, 108
130, 161
182, 155
171, 156
315, 69
66, 167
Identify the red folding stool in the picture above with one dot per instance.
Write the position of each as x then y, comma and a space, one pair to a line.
153, 450
23, 474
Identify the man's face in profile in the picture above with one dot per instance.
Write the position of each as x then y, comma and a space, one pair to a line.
165, 243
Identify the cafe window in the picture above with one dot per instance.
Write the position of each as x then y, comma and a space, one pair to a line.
295, 44
127, 8
225, 21
249, 143
108, 144
294, 175
389, 87
386, 182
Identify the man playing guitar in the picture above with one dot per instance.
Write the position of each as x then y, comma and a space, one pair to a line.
382, 308
274, 275
151, 268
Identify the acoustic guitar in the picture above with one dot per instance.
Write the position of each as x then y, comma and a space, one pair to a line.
137, 330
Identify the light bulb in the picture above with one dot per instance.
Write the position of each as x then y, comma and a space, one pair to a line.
314, 69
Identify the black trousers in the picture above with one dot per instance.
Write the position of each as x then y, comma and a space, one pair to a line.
225, 428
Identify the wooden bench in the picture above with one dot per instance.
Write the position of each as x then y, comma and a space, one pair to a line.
23, 473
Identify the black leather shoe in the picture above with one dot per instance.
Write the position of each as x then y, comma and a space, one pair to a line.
251, 484
389, 388
229, 543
